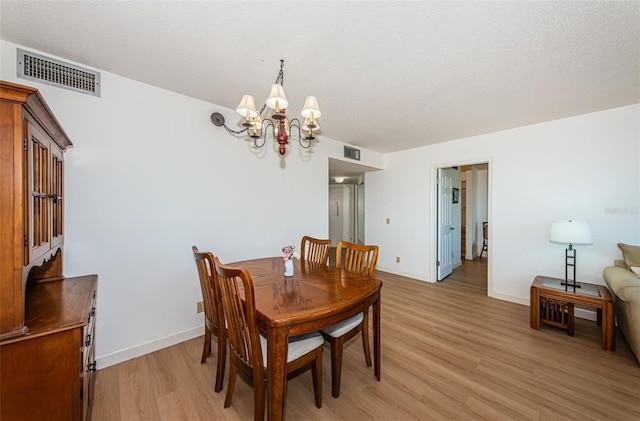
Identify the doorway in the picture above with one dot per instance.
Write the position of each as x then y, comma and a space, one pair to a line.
347, 201
461, 207
342, 213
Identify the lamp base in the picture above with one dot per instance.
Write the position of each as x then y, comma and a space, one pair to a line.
571, 284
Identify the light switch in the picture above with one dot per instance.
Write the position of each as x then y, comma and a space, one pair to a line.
388, 220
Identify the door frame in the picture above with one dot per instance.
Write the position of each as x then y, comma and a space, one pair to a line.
433, 255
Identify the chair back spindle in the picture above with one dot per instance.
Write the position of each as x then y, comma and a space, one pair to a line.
357, 258
315, 250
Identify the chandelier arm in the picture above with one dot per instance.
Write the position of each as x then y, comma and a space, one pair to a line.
263, 133
296, 123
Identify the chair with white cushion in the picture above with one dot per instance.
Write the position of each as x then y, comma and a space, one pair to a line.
248, 347
360, 259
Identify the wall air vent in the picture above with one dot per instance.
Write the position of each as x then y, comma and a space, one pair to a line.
54, 72
352, 153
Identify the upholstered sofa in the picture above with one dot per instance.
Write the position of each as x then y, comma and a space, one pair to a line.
624, 285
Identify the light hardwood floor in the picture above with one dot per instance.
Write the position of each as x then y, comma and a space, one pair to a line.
448, 352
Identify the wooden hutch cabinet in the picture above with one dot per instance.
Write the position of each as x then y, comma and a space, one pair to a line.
47, 321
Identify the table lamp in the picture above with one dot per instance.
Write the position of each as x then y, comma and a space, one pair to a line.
570, 232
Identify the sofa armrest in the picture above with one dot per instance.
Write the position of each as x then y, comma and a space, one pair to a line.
623, 283
619, 263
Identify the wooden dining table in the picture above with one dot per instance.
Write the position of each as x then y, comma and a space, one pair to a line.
316, 296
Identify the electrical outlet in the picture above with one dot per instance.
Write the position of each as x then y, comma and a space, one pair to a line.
397, 259
200, 306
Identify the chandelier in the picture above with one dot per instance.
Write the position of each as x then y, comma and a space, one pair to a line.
279, 126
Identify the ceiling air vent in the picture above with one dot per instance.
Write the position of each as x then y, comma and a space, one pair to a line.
57, 73
352, 153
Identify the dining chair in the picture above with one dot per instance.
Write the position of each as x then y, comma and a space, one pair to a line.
485, 238
360, 259
248, 347
315, 250
213, 316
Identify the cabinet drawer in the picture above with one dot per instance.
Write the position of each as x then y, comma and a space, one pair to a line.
89, 331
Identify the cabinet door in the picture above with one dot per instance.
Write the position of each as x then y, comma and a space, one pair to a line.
43, 184
57, 173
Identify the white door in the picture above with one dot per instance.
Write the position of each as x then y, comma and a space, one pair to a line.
336, 214
445, 226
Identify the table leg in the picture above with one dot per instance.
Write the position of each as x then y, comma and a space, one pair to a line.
534, 304
376, 337
277, 348
608, 327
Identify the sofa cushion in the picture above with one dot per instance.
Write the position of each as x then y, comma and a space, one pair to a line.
631, 257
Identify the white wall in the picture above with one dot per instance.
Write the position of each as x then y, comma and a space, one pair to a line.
148, 177
584, 168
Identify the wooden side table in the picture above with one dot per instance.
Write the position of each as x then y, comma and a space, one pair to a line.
590, 295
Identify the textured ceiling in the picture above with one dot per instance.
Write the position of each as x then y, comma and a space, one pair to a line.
388, 75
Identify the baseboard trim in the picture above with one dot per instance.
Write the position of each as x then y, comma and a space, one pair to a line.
509, 298
405, 274
147, 347
580, 313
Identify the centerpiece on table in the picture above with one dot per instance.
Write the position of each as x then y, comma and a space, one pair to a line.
288, 254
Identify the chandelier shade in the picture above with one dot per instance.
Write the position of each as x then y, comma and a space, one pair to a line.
247, 107
279, 126
277, 99
311, 108
310, 125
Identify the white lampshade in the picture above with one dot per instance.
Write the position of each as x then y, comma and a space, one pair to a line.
247, 104
311, 105
570, 232
257, 121
277, 94
305, 125
256, 124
